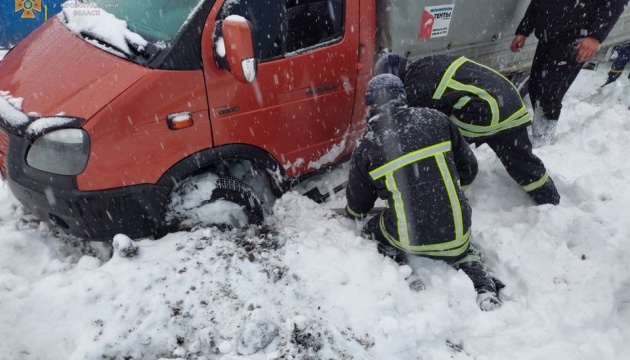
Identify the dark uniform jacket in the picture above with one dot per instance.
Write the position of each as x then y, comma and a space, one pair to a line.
479, 100
568, 20
415, 159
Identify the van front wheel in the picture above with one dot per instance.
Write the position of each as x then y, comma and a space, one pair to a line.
210, 200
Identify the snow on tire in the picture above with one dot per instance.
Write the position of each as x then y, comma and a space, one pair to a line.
212, 200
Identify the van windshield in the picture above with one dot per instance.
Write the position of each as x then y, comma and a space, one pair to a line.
154, 20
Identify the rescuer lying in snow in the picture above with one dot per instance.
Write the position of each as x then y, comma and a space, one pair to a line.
485, 106
415, 159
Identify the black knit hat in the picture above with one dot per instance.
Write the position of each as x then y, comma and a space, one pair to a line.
389, 63
383, 88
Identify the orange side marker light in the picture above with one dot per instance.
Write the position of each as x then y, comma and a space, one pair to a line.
179, 121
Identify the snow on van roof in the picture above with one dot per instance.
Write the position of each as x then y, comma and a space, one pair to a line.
103, 26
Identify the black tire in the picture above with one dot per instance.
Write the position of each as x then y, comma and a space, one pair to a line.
236, 191
179, 218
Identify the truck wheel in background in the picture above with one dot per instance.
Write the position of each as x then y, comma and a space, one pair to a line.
211, 200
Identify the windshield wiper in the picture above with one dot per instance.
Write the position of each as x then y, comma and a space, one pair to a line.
147, 52
101, 41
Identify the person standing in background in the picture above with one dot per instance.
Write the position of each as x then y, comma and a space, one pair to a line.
569, 32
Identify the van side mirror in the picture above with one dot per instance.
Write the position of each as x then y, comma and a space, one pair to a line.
239, 48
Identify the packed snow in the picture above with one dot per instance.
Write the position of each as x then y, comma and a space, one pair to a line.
307, 286
39, 126
10, 109
103, 26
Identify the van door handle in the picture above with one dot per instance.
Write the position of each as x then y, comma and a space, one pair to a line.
315, 90
361, 59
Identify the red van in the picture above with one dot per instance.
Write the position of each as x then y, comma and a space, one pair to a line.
108, 124
113, 111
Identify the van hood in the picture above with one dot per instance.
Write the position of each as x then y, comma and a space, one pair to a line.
56, 72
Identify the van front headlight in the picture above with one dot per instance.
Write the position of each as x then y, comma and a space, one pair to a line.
63, 152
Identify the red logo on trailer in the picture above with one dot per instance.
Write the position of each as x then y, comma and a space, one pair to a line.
426, 25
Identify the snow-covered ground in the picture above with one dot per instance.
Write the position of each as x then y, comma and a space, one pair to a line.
306, 286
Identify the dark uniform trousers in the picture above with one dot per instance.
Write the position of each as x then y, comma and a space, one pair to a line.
469, 262
554, 69
514, 149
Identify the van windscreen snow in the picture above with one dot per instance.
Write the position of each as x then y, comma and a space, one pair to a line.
154, 20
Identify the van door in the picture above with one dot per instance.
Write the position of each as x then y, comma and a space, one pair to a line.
300, 105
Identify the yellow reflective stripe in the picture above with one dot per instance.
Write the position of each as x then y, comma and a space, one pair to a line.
536, 184
467, 259
501, 75
517, 114
496, 125
482, 94
452, 195
448, 75
616, 71
409, 159
399, 209
452, 248
526, 118
462, 102
354, 213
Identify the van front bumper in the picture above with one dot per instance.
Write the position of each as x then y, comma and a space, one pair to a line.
95, 215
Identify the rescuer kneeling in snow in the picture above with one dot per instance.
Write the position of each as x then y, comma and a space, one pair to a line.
485, 106
416, 160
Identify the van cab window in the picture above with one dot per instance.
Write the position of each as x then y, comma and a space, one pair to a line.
312, 22
267, 18
284, 26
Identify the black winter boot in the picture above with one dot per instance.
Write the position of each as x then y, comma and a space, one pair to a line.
486, 286
391, 252
546, 194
